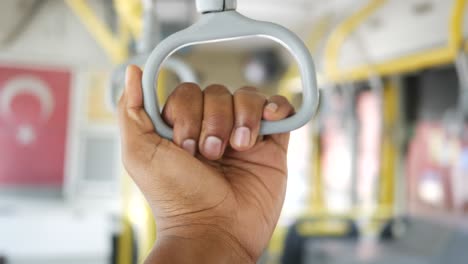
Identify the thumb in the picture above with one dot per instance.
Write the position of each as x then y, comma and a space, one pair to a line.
132, 115
153, 162
138, 137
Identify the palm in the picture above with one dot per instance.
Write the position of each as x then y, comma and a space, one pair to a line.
243, 188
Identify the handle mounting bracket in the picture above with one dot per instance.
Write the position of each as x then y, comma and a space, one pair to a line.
211, 6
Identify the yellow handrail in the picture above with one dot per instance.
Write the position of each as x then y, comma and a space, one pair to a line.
115, 48
408, 63
131, 11
456, 38
339, 36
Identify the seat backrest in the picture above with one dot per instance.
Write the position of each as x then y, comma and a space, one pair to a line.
308, 230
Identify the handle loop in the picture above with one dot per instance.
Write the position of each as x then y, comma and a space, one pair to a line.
226, 26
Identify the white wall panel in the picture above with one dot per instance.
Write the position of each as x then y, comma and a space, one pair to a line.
55, 36
397, 30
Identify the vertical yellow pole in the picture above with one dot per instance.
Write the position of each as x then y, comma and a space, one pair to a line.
317, 202
389, 150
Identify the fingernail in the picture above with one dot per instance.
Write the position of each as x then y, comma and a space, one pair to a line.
213, 146
127, 75
273, 107
242, 137
190, 146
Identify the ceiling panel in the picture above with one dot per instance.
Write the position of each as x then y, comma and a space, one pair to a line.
296, 15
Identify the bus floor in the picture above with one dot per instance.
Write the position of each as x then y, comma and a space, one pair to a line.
423, 242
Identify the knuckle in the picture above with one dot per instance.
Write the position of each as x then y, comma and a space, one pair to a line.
248, 89
184, 103
217, 122
188, 88
250, 92
249, 105
190, 125
216, 118
186, 91
217, 89
248, 120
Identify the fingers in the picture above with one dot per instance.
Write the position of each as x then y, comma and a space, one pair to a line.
248, 109
184, 112
218, 120
278, 108
210, 120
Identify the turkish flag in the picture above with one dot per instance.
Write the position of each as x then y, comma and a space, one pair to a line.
34, 113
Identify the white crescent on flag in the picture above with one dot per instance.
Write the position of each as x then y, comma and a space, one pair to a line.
26, 84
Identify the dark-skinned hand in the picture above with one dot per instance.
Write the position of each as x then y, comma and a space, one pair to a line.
216, 190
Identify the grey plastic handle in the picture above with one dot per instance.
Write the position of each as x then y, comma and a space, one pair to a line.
182, 70
225, 26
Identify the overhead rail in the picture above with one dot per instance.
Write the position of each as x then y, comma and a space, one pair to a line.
116, 47
413, 62
131, 12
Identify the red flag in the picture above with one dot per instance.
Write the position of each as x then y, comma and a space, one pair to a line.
34, 113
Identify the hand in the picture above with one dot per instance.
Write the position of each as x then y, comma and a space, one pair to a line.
217, 191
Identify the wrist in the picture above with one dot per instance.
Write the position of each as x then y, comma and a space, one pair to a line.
198, 246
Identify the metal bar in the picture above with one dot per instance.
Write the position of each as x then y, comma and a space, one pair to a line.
115, 49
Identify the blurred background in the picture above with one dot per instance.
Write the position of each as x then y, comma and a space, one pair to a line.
380, 175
